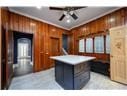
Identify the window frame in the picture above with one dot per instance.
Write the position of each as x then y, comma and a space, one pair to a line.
92, 44
96, 46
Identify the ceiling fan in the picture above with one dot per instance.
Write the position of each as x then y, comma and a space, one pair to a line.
67, 11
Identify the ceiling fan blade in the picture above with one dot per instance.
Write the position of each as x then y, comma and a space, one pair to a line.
61, 18
76, 8
74, 16
56, 8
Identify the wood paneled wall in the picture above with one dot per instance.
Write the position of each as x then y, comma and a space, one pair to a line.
99, 26
7, 48
42, 33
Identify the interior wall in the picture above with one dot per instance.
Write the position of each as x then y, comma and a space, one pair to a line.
18, 35
97, 27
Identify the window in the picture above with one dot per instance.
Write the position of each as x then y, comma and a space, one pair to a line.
107, 44
99, 44
89, 45
81, 45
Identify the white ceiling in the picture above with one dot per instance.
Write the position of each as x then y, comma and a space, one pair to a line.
52, 16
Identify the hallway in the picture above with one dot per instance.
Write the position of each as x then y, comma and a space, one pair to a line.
23, 69
22, 54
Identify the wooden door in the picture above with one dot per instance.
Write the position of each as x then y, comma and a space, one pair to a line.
118, 54
55, 48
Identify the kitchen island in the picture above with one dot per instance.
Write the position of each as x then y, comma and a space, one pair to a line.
72, 72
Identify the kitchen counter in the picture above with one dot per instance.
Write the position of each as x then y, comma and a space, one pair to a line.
72, 72
72, 59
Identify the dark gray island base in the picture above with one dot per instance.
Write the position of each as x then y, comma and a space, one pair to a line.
72, 77
72, 72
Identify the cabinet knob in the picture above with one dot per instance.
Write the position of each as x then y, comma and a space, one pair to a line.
47, 53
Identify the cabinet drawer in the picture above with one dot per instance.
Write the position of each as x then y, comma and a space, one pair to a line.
81, 80
81, 67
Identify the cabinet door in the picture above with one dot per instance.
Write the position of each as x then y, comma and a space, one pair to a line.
59, 72
118, 57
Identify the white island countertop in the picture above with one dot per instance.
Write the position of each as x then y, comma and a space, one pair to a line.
72, 59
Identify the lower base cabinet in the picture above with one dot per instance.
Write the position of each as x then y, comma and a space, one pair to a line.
72, 77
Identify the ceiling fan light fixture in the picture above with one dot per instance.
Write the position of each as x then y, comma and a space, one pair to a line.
68, 20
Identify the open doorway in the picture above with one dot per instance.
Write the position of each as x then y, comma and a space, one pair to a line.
23, 54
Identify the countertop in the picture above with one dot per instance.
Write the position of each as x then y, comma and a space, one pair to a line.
72, 59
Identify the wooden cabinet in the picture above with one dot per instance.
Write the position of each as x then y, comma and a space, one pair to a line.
118, 54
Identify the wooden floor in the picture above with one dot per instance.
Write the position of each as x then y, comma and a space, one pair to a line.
45, 80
